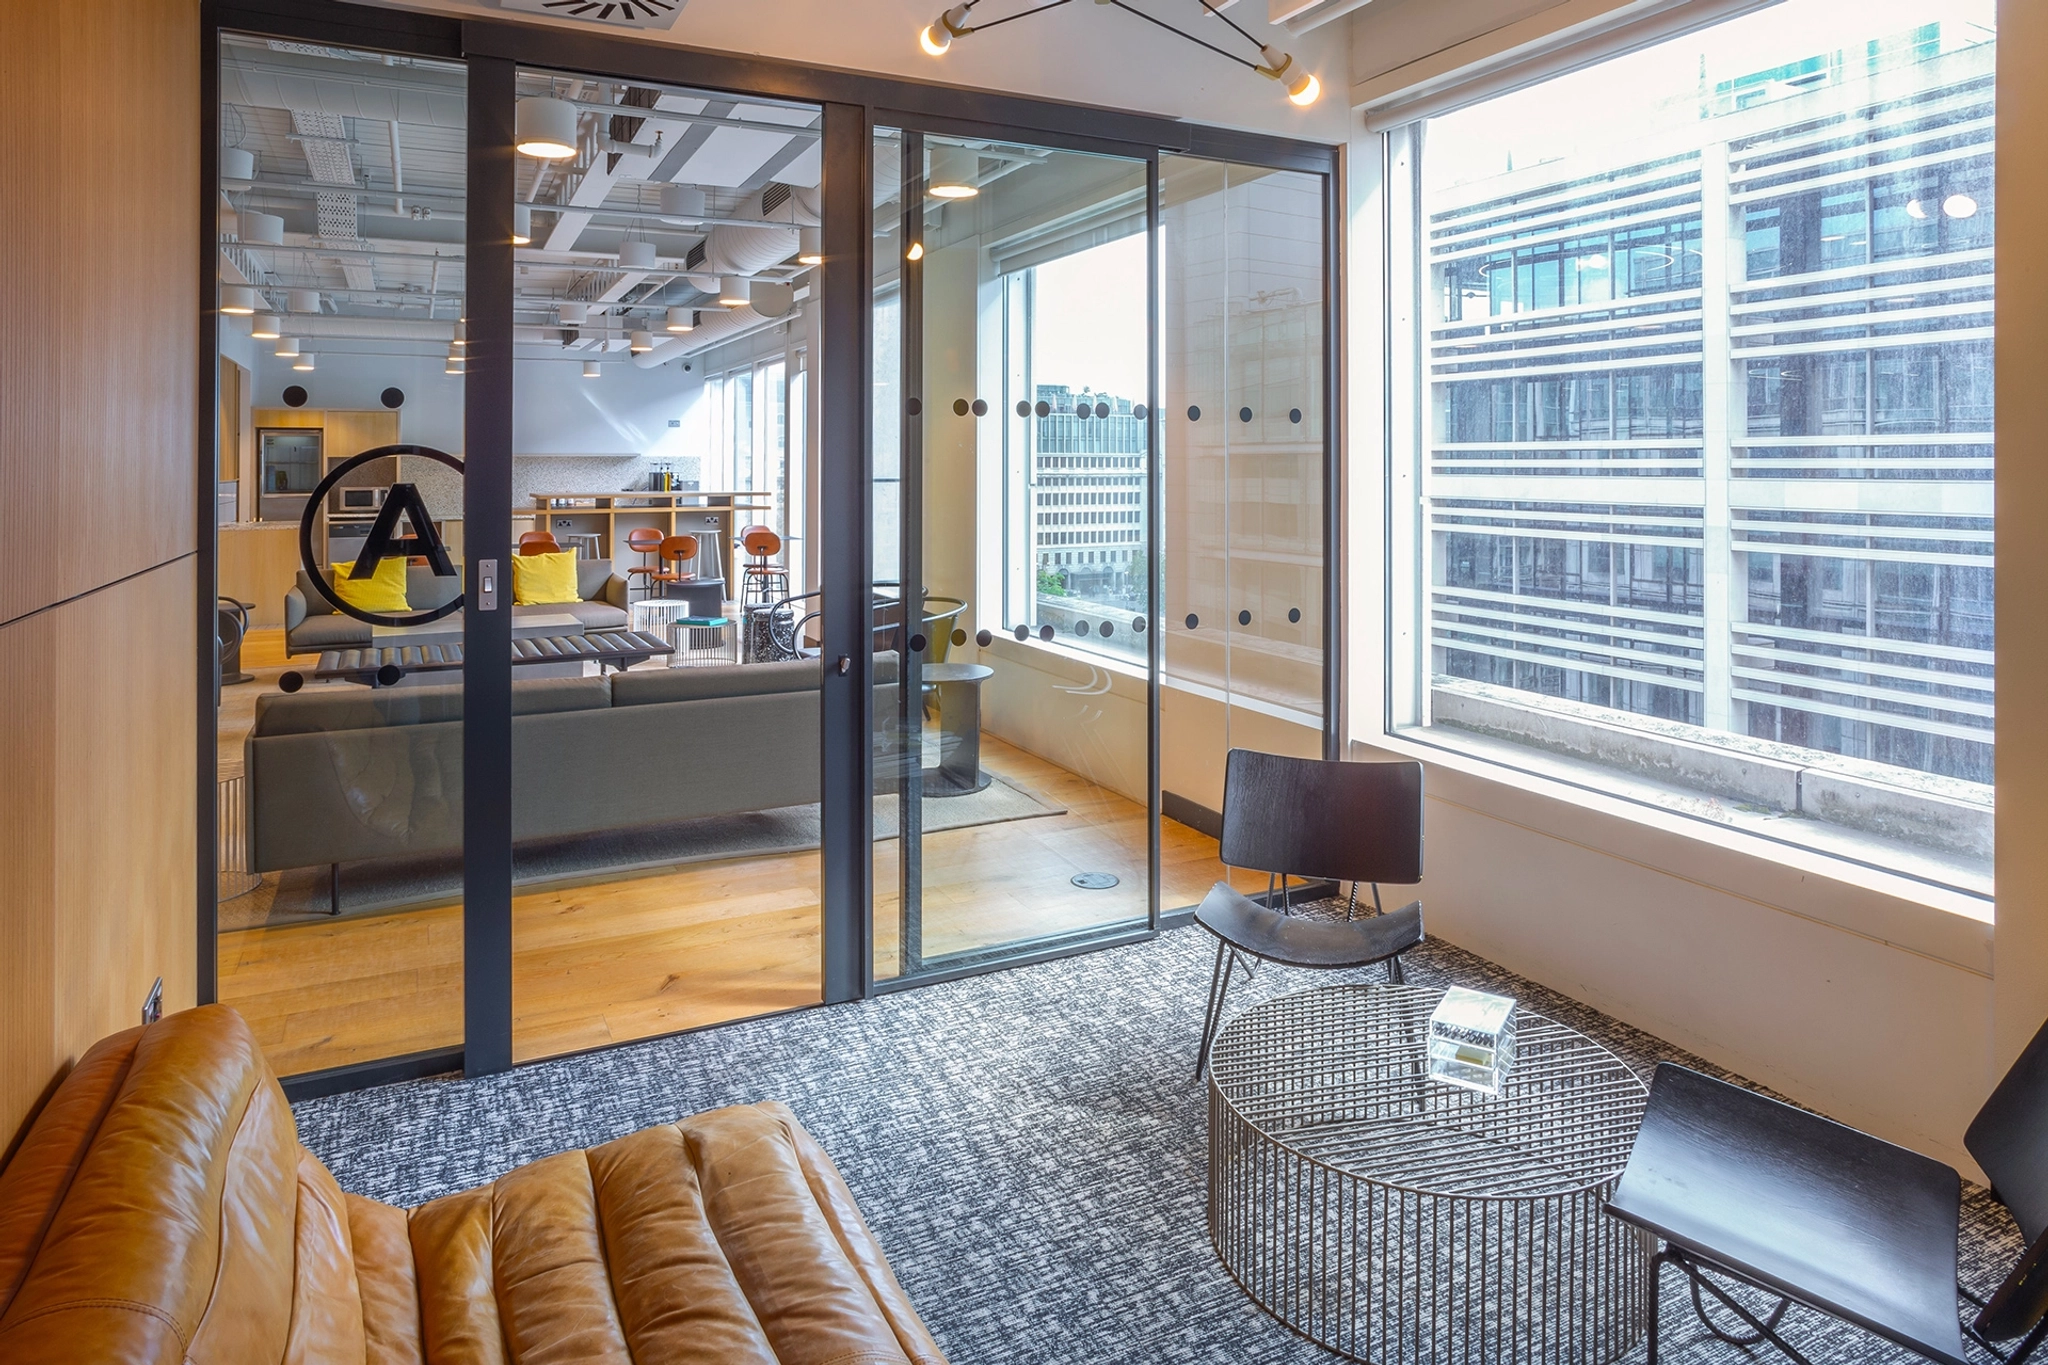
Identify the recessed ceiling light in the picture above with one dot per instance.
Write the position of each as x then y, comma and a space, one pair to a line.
545, 128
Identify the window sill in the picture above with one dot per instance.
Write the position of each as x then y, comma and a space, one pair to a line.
1603, 811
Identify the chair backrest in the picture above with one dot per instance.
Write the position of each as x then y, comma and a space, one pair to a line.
527, 538
643, 540
2006, 1139
1307, 817
676, 549
760, 541
538, 547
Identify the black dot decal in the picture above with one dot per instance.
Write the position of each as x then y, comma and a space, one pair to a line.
1080, 627
1244, 414
1141, 412
1294, 615
1294, 415
1107, 630
1193, 620
1102, 409
979, 407
1244, 618
959, 407
1137, 625
1081, 409
295, 396
913, 407
1045, 634
983, 638
1023, 632
1042, 408
291, 682
1194, 413
1023, 407
917, 643
959, 637
392, 398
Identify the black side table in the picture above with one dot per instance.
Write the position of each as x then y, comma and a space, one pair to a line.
959, 771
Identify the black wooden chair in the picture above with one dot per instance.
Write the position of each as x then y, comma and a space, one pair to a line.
1319, 821
1742, 1188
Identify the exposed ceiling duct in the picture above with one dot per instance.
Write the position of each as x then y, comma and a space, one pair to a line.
729, 249
713, 327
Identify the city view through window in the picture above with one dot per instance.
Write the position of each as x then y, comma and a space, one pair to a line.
1705, 462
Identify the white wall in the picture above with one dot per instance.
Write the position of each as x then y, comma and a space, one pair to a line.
1864, 996
430, 416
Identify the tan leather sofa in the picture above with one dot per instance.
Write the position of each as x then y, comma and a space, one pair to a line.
161, 1209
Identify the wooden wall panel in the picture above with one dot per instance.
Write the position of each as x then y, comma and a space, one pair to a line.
99, 172
96, 823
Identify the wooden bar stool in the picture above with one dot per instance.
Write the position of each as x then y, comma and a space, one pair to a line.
644, 541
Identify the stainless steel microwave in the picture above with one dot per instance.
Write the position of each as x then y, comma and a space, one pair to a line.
361, 499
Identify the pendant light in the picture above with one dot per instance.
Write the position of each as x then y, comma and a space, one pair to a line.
573, 314
266, 327
682, 319
636, 255
287, 348
937, 36
810, 246
238, 300
237, 165
545, 128
461, 338
916, 252
453, 365
261, 229
733, 292
592, 370
522, 224
304, 362
305, 300
956, 172
641, 343
682, 204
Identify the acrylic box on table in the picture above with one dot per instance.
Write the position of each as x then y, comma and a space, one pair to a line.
1472, 1040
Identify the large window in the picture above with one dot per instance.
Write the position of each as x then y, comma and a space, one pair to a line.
1703, 459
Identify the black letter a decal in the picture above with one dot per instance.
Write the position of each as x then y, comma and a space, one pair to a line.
381, 543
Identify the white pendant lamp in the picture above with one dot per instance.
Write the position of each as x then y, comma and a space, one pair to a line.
453, 364
226, 221
237, 164
573, 314
1301, 85
545, 128
682, 204
937, 36
266, 327
591, 369
636, 255
682, 319
522, 224
642, 343
261, 229
287, 347
956, 172
461, 338
238, 300
304, 362
810, 246
305, 300
733, 292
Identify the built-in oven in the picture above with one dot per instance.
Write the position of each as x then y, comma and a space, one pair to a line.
345, 539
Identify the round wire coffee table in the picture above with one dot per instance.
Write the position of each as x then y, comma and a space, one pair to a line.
1391, 1217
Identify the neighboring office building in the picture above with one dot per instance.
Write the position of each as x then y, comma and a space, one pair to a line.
1088, 489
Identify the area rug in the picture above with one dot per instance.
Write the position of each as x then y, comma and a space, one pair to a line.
1028, 1146
299, 895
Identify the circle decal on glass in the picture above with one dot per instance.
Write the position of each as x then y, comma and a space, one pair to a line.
1193, 620
1042, 408
1102, 409
1023, 632
1194, 413
1107, 630
1244, 414
1080, 627
1081, 409
295, 397
1045, 634
1244, 618
1294, 415
913, 407
392, 397
1141, 412
959, 637
959, 407
1023, 407
383, 541
1294, 616
979, 407
1137, 625
983, 638
917, 643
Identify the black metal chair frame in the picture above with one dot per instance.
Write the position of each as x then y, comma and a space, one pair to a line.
2005, 1139
1355, 822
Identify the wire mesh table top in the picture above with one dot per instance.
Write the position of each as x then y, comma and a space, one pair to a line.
1339, 1075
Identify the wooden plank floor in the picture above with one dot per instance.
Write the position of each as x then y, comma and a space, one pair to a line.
611, 959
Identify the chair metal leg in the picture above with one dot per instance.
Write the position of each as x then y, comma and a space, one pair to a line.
1219, 986
1656, 1284
334, 888
1395, 975
1764, 1330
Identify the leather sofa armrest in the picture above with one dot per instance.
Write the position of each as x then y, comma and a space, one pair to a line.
614, 592
294, 608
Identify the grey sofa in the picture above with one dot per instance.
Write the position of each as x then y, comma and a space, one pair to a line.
343, 773
311, 624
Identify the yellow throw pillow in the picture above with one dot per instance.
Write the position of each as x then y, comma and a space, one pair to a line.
382, 591
544, 578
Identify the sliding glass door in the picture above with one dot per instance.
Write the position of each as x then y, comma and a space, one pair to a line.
1012, 616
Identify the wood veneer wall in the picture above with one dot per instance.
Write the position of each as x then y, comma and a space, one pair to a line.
99, 168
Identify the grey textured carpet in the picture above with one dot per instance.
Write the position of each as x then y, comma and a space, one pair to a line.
1028, 1147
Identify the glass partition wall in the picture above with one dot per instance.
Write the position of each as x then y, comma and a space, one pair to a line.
631, 368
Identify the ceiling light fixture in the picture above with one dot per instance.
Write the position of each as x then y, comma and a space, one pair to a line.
237, 164
573, 314
592, 370
287, 347
238, 300
260, 229
545, 128
733, 292
1302, 87
636, 255
682, 204
955, 173
266, 327
522, 224
916, 252
682, 319
304, 300
461, 337
452, 367
1959, 206
304, 362
810, 246
642, 343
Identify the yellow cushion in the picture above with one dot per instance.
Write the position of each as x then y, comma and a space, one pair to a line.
383, 590
544, 578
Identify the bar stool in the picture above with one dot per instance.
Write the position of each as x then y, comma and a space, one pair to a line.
676, 550
762, 581
644, 541
538, 543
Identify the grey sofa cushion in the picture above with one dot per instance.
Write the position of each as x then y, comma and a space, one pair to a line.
359, 708
331, 631
591, 576
653, 686
316, 603
425, 589
592, 615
